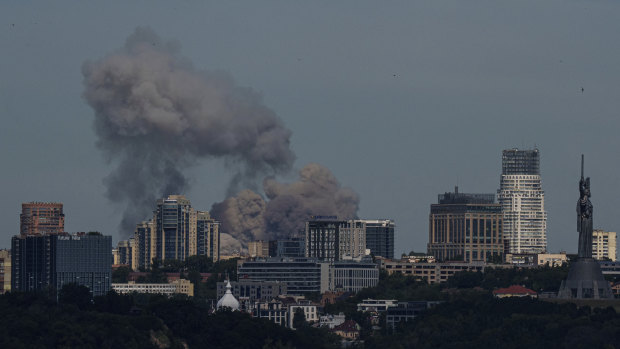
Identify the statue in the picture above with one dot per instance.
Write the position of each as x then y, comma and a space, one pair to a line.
584, 217
585, 279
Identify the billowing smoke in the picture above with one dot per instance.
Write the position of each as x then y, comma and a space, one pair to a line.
155, 115
247, 217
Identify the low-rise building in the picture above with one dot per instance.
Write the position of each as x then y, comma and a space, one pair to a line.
348, 330
514, 291
551, 259
330, 321
273, 310
301, 275
353, 275
310, 312
180, 286
405, 311
432, 273
376, 305
610, 268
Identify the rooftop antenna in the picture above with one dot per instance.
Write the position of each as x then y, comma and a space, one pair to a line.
582, 166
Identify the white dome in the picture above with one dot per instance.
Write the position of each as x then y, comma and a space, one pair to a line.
228, 300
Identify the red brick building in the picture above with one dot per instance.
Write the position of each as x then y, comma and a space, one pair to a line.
39, 218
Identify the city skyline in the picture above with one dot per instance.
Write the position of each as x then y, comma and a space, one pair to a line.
441, 111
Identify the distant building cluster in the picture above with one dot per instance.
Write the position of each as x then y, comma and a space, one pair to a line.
45, 258
334, 258
474, 227
176, 231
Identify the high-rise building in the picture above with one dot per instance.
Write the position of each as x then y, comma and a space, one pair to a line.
47, 262
172, 227
42, 218
523, 202
207, 239
330, 239
124, 252
604, 245
143, 245
465, 227
176, 231
380, 237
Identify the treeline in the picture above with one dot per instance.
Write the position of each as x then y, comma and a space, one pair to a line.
469, 316
481, 321
138, 321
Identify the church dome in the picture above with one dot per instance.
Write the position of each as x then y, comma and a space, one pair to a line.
228, 300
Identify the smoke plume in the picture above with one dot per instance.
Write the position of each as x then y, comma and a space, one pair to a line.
247, 217
155, 115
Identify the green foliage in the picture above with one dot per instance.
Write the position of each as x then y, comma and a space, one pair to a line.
480, 321
299, 318
543, 279
121, 274
36, 321
75, 294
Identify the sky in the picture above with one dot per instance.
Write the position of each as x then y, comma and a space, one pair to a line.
401, 100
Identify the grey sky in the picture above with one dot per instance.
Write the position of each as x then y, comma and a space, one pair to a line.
401, 100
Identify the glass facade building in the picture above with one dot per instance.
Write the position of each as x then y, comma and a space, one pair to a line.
380, 237
172, 218
42, 262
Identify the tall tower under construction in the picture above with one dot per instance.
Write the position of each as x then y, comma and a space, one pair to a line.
523, 202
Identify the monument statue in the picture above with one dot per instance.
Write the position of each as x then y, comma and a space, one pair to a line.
585, 279
584, 217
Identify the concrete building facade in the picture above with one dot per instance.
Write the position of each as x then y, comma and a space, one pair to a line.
465, 227
604, 245
523, 202
431, 272
5, 271
380, 237
330, 239
353, 275
41, 262
301, 275
42, 218
180, 286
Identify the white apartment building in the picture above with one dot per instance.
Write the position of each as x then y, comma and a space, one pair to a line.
523, 202
604, 245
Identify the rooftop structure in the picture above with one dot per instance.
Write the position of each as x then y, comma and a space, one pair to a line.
228, 300
514, 291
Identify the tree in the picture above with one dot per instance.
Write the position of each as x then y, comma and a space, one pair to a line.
75, 294
121, 274
299, 319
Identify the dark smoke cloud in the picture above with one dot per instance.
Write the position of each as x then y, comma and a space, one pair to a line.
155, 115
247, 217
